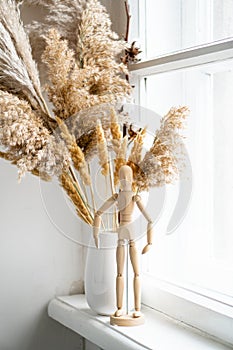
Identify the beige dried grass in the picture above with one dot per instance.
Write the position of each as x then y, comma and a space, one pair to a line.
162, 163
81, 206
18, 70
115, 131
120, 159
27, 141
95, 77
76, 153
64, 16
136, 151
102, 149
136, 154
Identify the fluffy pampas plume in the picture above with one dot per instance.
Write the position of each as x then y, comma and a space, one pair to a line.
64, 16
89, 75
102, 150
98, 46
162, 162
27, 142
59, 62
18, 71
87, 86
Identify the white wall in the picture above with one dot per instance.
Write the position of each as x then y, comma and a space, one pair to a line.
36, 263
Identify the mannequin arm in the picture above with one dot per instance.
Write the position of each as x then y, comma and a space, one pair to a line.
98, 214
149, 237
141, 207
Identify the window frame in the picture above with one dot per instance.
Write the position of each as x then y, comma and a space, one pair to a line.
195, 308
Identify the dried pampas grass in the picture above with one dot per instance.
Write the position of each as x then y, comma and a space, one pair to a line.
98, 47
120, 159
136, 154
102, 150
81, 207
64, 16
97, 44
27, 142
59, 60
163, 161
13, 73
98, 78
75, 152
136, 151
115, 131
91, 73
81, 53
74, 86
18, 71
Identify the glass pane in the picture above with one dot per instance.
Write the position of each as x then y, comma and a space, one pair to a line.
223, 165
222, 19
172, 25
199, 252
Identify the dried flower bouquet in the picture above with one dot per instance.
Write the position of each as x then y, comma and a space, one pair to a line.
84, 80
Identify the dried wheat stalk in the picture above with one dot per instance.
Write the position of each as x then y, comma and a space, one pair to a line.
120, 159
115, 131
81, 207
75, 152
102, 149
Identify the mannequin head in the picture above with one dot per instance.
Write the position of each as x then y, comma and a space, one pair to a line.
126, 178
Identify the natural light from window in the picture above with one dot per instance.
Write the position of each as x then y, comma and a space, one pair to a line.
173, 25
198, 255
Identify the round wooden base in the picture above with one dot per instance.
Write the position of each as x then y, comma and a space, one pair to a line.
126, 320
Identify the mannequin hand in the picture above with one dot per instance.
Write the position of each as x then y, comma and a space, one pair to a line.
96, 239
96, 236
146, 248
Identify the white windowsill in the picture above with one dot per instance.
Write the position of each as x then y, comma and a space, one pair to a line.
201, 309
159, 331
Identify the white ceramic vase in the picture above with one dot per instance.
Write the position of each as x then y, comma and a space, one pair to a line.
100, 275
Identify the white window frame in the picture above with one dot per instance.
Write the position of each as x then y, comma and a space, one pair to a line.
199, 310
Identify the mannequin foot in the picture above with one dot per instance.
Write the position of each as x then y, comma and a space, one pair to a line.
137, 314
118, 313
127, 320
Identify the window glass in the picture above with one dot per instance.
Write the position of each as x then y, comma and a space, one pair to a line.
199, 252
171, 25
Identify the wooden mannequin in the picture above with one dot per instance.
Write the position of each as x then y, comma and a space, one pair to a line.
126, 200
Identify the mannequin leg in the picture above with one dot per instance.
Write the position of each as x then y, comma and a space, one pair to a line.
136, 284
120, 258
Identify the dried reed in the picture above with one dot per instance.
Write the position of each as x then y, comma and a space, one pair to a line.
120, 159
115, 131
76, 153
81, 207
102, 149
